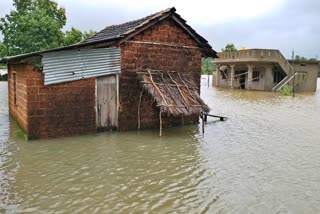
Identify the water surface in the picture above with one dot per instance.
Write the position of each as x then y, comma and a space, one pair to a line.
263, 159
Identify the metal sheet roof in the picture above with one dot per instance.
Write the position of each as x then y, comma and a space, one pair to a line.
70, 65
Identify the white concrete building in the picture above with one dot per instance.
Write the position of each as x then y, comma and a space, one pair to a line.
264, 70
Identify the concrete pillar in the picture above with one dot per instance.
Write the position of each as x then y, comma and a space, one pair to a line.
250, 70
232, 75
268, 78
217, 76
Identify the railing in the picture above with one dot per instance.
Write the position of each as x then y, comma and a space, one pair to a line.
279, 85
267, 55
295, 80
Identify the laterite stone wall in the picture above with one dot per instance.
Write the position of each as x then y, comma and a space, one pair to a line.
51, 111
135, 56
17, 91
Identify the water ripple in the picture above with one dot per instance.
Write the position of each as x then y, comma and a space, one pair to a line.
263, 159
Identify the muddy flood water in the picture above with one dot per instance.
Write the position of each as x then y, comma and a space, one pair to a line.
264, 159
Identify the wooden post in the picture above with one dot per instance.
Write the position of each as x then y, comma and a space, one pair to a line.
160, 118
139, 119
294, 74
293, 83
202, 117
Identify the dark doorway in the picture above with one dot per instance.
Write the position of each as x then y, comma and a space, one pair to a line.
242, 79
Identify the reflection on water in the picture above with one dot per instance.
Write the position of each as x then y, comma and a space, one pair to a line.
263, 159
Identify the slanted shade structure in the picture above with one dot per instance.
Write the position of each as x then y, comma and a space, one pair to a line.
174, 94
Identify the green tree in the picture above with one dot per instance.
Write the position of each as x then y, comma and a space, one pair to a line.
87, 34
207, 66
229, 47
2, 50
72, 37
33, 25
300, 58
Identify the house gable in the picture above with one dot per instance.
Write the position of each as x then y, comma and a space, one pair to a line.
166, 32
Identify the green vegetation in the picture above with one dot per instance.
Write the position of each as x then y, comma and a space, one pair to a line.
207, 66
229, 47
87, 34
286, 90
36, 25
2, 51
22, 134
303, 59
4, 77
74, 36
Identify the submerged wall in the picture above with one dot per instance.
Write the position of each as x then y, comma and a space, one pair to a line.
310, 83
51, 111
17, 92
139, 54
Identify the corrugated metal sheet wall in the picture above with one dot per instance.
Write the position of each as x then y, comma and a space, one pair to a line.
69, 65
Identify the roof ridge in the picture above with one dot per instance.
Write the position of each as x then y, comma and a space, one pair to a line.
132, 22
140, 19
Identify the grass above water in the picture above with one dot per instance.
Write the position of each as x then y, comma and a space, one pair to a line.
286, 91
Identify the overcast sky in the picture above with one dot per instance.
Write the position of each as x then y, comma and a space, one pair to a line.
275, 24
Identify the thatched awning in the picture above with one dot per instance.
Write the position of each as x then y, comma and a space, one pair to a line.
173, 93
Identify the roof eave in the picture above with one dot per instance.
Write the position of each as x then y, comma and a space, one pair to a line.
70, 47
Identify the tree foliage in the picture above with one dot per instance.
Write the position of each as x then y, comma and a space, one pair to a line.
207, 66
33, 25
87, 34
74, 36
2, 50
302, 58
229, 47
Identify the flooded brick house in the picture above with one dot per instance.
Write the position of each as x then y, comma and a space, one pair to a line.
264, 70
140, 74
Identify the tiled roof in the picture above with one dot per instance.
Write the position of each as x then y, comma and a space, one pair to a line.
114, 32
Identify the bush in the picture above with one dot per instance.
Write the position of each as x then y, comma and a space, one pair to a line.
286, 90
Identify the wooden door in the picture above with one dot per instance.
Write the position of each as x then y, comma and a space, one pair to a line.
107, 103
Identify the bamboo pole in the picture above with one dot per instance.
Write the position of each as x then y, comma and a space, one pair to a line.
171, 85
139, 119
177, 106
184, 99
167, 88
174, 45
160, 118
202, 117
155, 72
156, 87
193, 99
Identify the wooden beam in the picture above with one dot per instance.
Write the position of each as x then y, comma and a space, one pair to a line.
156, 87
165, 44
211, 115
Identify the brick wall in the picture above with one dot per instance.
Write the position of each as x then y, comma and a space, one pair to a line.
50, 111
17, 92
155, 57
